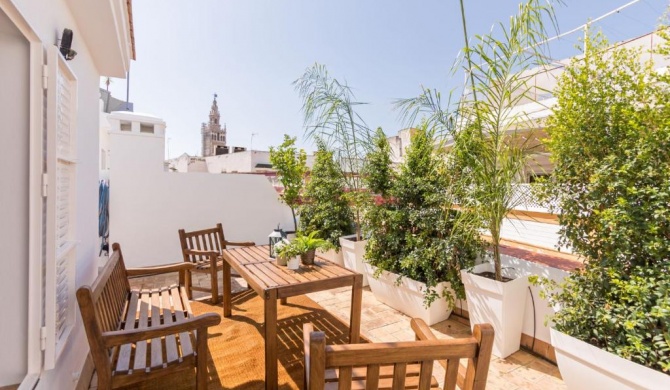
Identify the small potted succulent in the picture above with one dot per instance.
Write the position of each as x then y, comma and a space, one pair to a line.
306, 246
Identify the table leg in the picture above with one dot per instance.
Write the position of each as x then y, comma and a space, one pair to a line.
356, 302
227, 290
271, 375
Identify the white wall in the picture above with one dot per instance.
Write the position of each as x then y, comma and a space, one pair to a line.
536, 233
48, 19
14, 156
148, 206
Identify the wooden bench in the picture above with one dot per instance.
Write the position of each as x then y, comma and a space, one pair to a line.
138, 335
398, 365
203, 249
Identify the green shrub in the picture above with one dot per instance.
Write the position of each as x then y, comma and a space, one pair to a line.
625, 313
291, 166
325, 209
410, 229
610, 143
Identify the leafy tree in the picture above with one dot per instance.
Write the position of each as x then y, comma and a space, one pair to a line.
325, 208
411, 230
291, 166
329, 110
609, 137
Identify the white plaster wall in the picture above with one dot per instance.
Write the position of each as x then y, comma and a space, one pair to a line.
48, 19
14, 156
148, 206
228, 163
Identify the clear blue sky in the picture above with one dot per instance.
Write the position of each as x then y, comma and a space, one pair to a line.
249, 52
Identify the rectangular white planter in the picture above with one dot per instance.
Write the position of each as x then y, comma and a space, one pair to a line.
353, 254
584, 366
500, 304
332, 256
408, 296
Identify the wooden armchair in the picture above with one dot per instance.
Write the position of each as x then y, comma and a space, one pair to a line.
138, 335
398, 365
203, 249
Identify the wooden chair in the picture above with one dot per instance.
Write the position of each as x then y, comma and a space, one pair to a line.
138, 335
203, 248
398, 365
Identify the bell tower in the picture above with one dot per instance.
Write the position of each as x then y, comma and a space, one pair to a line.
212, 133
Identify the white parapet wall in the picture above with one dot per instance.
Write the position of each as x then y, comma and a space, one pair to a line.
149, 205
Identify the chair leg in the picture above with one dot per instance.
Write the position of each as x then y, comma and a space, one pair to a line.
201, 360
215, 283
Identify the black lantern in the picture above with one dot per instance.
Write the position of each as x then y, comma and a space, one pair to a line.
276, 236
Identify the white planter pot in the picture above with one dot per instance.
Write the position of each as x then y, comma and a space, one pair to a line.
584, 366
332, 256
408, 296
499, 304
294, 263
353, 254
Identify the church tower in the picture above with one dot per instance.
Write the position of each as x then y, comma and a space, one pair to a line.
213, 136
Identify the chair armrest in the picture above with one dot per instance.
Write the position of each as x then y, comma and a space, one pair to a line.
421, 330
246, 243
161, 269
120, 337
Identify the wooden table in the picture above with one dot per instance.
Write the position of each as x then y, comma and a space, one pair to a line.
272, 282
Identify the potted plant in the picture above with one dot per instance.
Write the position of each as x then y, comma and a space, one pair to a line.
325, 208
413, 256
291, 167
329, 110
306, 245
488, 153
609, 138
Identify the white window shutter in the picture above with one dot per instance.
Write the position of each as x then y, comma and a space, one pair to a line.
61, 174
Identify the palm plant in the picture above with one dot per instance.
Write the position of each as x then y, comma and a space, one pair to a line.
329, 113
489, 144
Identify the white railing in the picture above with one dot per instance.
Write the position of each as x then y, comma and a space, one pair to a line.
525, 197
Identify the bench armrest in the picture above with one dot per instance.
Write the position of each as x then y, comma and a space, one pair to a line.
161, 269
120, 337
421, 330
245, 243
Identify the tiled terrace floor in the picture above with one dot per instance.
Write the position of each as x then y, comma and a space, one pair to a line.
379, 322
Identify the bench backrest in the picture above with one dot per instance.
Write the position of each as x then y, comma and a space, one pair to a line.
102, 304
397, 355
211, 240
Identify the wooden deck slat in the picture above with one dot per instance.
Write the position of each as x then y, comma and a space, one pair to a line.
157, 343
172, 354
140, 361
184, 337
125, 352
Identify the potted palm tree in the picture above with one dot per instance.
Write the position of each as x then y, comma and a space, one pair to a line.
329, 111
488, 153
